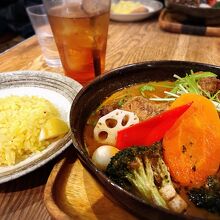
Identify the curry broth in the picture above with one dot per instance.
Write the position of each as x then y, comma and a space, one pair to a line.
118, 98
125, 94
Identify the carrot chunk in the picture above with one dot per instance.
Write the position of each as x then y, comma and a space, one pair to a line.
192, 145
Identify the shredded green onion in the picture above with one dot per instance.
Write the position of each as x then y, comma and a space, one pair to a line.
189, 84
147, 88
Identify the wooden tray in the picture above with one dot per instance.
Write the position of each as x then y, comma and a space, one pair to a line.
179, 23
71, 192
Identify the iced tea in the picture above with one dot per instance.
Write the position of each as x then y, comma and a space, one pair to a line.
81, 40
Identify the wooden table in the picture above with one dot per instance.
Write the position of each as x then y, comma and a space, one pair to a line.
127, 43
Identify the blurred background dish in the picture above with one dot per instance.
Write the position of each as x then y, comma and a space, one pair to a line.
128, 11
198, 9
176, 22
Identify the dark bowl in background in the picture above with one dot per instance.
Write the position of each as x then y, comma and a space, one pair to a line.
197, 12
90, 97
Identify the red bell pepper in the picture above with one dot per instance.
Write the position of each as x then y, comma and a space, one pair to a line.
150, 131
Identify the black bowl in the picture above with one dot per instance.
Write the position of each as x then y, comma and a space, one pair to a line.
90, 97
192, 11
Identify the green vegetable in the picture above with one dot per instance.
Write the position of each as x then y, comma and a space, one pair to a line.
142, 171
122, 101
146, 87
132, 169
190, 84
207, 196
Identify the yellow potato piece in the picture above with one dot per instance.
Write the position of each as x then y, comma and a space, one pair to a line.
54, 127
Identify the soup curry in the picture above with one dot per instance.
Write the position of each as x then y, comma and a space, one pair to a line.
146, 100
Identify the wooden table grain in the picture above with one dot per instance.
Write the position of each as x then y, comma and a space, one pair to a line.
127, 43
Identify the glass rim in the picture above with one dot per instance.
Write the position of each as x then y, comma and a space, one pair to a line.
40, 6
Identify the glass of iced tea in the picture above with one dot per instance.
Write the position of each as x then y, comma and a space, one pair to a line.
80, 29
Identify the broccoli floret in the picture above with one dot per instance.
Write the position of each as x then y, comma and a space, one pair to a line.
208, 195
142, 171
137, 169
132, 170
